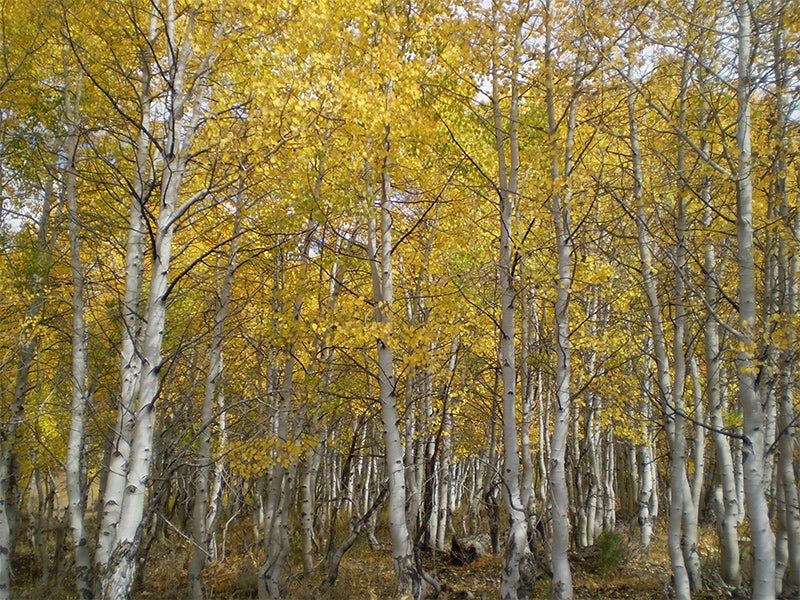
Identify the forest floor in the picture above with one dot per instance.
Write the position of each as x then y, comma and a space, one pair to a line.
618, 570
615, 571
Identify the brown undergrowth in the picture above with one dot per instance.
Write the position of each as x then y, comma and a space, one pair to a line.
367, 574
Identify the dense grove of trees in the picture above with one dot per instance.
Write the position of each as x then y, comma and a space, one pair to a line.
297, 268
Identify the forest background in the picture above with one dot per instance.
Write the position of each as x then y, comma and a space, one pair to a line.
277, 273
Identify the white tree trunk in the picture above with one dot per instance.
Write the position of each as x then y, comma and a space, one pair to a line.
409, 579
205, 495
130, 360
76, 490
560, 208
787, 581
726, 498
186, 111
763, 539
673, 417
517, 572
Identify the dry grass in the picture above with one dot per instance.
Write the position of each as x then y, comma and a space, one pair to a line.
368, 574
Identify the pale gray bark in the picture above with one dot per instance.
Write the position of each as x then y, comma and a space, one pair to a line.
561, 213
787, 581
700, 428
757, 509
76, 489
130, 360
671, 409
205, 496
648, 494
409, 580
186, 102
276, 505
689, 535
517, 571
726, 499
445, 466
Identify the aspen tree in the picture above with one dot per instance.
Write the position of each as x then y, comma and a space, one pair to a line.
186, 99
76, 489
788, 504
674, 419
763, 538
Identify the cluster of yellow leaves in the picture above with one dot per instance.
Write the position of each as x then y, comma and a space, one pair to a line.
255, 456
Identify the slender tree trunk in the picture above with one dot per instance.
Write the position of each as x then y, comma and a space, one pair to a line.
788, 581
276, 522
689, 534
409, 580
76, 489
203, 495
726, 497
517, 572
763, 539
673, 414
186, 111
700, 428
29, 342
560, 205
130, 359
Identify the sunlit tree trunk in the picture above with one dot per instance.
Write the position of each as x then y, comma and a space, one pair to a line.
725, 496
186, 102
560, 192
517, 572
130, 359
689, 534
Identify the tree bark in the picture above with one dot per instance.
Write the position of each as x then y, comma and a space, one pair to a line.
560, 206
130, 359
673, 416
409, 580
204, 496
757, 508
76, 489
186, 108
517, 572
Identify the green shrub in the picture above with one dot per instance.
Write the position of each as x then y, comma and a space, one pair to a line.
610, 552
